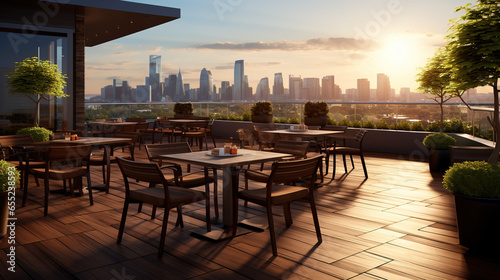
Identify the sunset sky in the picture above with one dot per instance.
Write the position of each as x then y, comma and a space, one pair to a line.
316, 38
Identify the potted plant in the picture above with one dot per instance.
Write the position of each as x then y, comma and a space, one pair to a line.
9, 180
262, 112
38, 80
183, 110
316, 113
39, 134
439, 152
477, 202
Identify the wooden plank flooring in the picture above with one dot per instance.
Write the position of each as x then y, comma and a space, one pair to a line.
397, 224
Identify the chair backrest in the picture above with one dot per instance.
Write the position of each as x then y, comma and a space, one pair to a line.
164, 123
246, 137
141, 126
297, 148
358, 136
154, 150
16, 140
141, 171
335, 127
288, 171
265, 138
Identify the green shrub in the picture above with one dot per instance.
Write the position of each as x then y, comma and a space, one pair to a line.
368, 124
183, 108
473, 178
455, 125
404, 125
39, 134
316, 109
262, 108
439, 141
345, 122
246, 116
331, 121
8, 176
382, 124
417, 126
294, 121
357, 124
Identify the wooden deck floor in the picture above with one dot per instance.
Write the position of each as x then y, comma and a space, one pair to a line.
398, 224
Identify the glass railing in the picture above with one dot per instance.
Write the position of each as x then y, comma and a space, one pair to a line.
458, 118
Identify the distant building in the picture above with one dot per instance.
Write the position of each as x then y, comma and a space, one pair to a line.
224, 85
142, 94
263, 91
155, 77
404, 94
351, 94
383, 88
363, 90
206, 85
311, 89
239, 73
179, 88
328, 88
107, 93
295, 86
278, 89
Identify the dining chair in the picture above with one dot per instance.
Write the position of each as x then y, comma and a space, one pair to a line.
355, 138
64, 163
124, 150
143, 129
176, 176
165, 128
165, 196
195, 133
15, 149
209, 133
279, 191
266, 141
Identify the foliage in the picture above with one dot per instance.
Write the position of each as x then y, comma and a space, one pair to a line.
183, 108
382, 124
39, 134
8, 174
345, 122
38, 80
417, 126
262, 108
246, 116
331, 122
404, 125
102, 117
473, 178
369, 124
474, 52
316, 109
357, 124
294, 121
455, 125
439, 141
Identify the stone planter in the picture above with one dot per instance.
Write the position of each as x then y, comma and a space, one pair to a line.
262, 119
478, 222
316, 121
439, 160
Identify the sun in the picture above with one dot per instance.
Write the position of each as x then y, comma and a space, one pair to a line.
399, 50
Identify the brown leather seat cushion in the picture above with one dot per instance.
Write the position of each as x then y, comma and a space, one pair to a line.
156, 195
280, 194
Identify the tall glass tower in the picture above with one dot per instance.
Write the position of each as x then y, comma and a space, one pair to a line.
239, 73
278, 89
206, 85
155, 77
179, 88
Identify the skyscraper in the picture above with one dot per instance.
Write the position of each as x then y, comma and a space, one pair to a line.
278, 89
206, 85
224, 85
311, 89
170, 87
263, 90
239, 73
155, 77
363, 90
295, 85
383, 88
179, 88
328, 87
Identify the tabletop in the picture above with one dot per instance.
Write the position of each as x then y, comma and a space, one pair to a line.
308, 132
245, 157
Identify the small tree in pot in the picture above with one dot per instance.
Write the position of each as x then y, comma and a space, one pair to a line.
316, 113
262, 112
183, 110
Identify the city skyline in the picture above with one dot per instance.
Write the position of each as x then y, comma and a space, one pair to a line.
348, 40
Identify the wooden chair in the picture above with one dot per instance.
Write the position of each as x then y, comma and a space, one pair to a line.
278, 191
143, 129
209, 133
176, 176
266, 141
195, 133
64, 163
165, 128
15, 149
166, 196
356, 148
124, 150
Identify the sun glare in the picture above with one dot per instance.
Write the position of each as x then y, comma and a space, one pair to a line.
398, 51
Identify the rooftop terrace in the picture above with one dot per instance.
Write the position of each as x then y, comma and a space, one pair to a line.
397, 224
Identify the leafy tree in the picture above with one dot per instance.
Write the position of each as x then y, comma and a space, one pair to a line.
38, 80
474, 52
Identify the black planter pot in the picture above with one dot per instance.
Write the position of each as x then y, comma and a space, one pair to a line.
316, 121
439, 160
478, 221
262, 119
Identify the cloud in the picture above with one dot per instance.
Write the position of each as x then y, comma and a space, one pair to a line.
330, 44
156, 49
126, 53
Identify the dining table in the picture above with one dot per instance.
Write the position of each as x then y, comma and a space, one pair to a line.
230, 165
105, 142
110, 127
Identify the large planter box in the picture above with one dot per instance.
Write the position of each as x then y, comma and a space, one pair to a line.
262, 119
317, 121
478, 221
